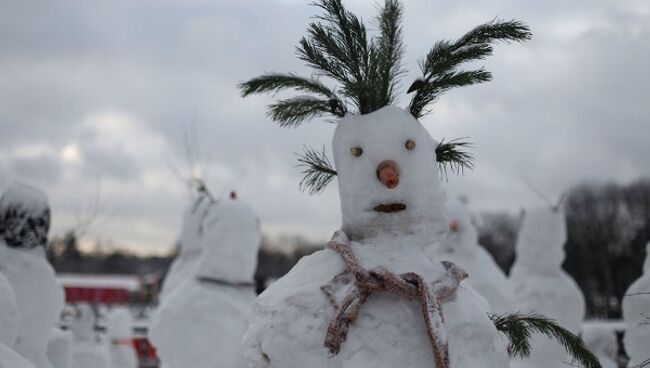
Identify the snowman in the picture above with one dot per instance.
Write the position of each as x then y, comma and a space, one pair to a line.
9, 325
87, 350
601, 340
541, 285
184, 265
461, 247
59, 348
119, 328
373, 298
636, 312
24, 224
201, 323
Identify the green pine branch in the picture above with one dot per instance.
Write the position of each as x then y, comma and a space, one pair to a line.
451, 157
317, 170
445, 56
518, 328
293, 111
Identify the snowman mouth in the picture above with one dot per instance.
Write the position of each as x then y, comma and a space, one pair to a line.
390, 207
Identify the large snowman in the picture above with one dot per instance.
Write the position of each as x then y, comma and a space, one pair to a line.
190, 244
24, 225
324, 312
636, 312
461, 247
201, 324
541, 285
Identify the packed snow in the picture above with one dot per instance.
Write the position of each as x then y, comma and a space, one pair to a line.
542, 286
636, 312
87, 350
201, 323
59, 348
119, 328
601, 340
461, 247
390, 217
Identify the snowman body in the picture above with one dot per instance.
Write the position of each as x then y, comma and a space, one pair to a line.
636, 309
119, 328
386, 228
184, 265
87, 351
38, 295
9, 324
461, 247
540, 285
201, 323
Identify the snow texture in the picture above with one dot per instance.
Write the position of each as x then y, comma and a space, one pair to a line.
38, 295
119, 328
190, 242
636, 312
59, 348
11, 359
201, 323
601, 340
461, 247
288, 324
541, 286
9, 314
87, 351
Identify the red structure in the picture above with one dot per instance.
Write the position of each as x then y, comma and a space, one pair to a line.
101, 289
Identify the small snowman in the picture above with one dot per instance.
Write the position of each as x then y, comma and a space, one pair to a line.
59, 348
24, 225
461, 247
373, 298
119, 328
190, 244
541, 285
636, 312
201, 324
87, 350
602, 341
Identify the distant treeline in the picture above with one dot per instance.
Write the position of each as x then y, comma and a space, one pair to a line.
608, 228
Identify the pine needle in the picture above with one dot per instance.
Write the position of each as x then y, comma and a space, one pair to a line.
518, 328
318, 171
451, 157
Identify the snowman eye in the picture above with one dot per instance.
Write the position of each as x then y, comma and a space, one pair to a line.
410, 145
356, 151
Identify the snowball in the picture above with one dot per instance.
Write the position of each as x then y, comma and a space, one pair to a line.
461, 247
542, 286
202, 322
24, 216
636, 312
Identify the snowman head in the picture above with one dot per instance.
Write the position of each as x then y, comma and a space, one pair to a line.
388, 184
119, 324
231, 238
193, 219
24, 216
83, 325
540, 243
462, 234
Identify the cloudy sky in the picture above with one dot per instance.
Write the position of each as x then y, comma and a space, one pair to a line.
97, 97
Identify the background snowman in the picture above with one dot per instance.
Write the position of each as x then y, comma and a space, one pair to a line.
373, 298
636, 311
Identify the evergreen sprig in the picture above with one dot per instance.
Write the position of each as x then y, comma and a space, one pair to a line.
439, 67
451, 157
518, 328
317, 170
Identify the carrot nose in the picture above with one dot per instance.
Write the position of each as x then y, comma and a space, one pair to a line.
388, 174
453, 226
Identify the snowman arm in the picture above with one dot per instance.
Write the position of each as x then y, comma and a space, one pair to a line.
317, 170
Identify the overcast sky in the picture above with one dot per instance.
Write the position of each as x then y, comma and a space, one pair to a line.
95, 98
